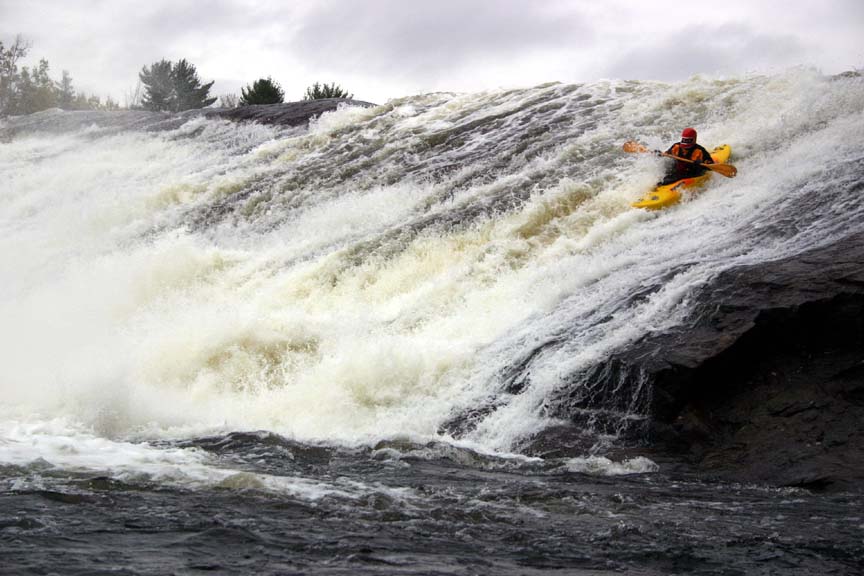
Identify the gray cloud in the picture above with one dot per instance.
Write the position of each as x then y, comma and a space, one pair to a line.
725, 48
393, 47
429, 38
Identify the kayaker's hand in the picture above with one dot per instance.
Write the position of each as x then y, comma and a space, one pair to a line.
657, 153
697, 163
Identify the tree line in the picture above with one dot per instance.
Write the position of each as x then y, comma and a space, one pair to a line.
163, 86
31, 89
175, 86
268, 91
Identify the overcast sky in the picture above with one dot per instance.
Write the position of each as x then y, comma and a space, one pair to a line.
382, 49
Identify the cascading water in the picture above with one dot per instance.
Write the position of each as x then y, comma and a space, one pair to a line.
422, 276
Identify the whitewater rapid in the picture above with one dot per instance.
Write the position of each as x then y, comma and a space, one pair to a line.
383, 271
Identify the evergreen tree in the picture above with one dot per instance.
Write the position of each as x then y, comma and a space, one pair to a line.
318, 91
262, 91
189, 93
35, 90
158, 86
65, 92
173, 87
44, 93
9, 76
24, 90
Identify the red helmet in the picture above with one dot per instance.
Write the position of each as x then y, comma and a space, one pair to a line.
688, 137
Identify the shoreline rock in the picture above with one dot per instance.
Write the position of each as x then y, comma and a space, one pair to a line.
764, 385
285, 114
56, 121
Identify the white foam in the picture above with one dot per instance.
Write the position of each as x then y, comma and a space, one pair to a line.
337, 313
602, 466
47, 445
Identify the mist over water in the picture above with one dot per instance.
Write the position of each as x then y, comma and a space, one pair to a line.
430, 271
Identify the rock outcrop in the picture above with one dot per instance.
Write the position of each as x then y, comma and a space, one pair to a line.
56, 121
286, 114
765, 384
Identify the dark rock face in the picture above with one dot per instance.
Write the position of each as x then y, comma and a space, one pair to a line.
766, 382
286, 114
768, 385
782, 405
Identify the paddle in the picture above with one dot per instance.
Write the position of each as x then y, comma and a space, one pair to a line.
727, 170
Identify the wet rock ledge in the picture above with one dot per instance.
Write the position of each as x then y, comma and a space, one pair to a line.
766, 383
286, 114
56, 121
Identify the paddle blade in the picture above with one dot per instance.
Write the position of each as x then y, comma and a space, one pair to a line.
633, 146
727, 170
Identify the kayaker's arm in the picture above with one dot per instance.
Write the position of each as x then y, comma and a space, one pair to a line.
706, 156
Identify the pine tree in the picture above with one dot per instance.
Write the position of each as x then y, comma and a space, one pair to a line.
158, 86
318, 92
24, 90
44, 94
173, 87
262, 91
189, 93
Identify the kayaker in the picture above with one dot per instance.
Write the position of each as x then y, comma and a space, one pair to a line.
686, 148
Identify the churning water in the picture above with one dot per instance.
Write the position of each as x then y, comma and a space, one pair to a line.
263, 349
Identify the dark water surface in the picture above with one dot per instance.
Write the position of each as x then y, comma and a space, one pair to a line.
429, 509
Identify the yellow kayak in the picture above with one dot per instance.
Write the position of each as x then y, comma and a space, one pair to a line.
669, 194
